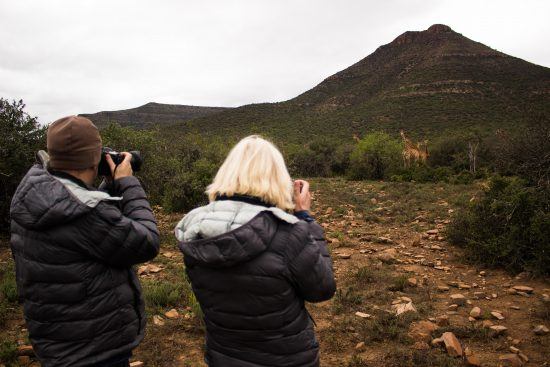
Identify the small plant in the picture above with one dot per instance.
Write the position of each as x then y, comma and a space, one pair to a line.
8, 352
345, 299
385, 326
398, 284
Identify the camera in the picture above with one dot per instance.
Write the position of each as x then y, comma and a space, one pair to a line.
103, 168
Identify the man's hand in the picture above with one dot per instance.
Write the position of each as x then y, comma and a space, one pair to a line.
124, 169
302, 196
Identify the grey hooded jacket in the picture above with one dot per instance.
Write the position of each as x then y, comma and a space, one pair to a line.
252, 268
73, 250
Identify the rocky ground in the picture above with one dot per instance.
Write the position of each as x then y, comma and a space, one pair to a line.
405, 296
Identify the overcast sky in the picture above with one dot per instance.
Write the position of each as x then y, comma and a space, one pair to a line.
67, 57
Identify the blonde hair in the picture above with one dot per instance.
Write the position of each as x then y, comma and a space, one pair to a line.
257, 168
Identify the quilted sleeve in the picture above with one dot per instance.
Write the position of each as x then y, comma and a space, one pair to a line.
310, 263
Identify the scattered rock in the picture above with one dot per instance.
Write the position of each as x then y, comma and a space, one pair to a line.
486, 324
344, 256
541, 330
432, 231
363, 315
157, 320
523, 288
387, 256
384, 240
403, 307
509, 360
454, 349
137, 364
475, 312
458, 299
514, 350
453, 307
172, 314
442, 320
442, 288
25, 350
471, 358
360, 346
497, 315
24, 360
412, 282
422, 330
497, 330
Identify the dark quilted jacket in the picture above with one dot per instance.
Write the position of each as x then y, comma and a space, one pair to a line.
252, 282
82, 300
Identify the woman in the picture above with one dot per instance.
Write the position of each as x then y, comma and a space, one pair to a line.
252, 265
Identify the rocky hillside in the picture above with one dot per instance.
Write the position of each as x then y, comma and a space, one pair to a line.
426, 82
152, 113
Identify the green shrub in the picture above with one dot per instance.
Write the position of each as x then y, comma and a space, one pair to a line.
8, 352
508, 226
377, 156
21, 137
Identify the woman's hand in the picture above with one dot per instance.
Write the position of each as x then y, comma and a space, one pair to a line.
302, 196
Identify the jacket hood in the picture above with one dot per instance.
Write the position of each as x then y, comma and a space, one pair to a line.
43, 200
225, 233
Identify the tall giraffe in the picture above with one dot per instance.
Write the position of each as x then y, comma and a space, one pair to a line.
423, 153
410, 151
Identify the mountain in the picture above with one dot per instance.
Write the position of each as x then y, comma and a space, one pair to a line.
428, 82
152, 113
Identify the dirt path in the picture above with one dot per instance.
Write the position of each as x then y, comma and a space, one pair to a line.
388, 248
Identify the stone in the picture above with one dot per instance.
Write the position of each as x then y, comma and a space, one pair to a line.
420, 345
442, 320
432, 231
437, 342
471, 358
363, 315
412, 282
514, 350
509, 360
523, 357
453, 307
497, 315
523, 288
442, 288
403, 308
344, 256
172, 314
454, 349
486, 324
25, 350
137, 364
153, 268
157, 320
475, 312
541, 330
24, 360
384, 240
387, 256
458, 299
497, 330
422, 330
360, 346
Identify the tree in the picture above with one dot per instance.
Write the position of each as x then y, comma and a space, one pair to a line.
376, 156
21, 136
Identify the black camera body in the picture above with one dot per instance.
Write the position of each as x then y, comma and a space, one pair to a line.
103, 168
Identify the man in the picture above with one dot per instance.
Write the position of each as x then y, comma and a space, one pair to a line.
74, 247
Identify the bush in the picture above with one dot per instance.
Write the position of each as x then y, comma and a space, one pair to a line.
508, 226
20, 138
377, 156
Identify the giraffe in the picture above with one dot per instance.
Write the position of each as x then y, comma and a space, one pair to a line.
423, 153
410, 150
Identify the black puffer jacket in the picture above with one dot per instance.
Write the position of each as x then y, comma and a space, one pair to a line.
252, 281
73, 251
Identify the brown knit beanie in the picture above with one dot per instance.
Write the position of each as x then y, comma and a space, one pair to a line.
73, 143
